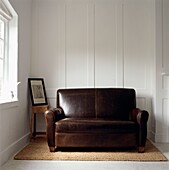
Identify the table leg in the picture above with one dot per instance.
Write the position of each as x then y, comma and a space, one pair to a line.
34, 125
31, 124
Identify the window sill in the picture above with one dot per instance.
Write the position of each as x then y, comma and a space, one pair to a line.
8, 104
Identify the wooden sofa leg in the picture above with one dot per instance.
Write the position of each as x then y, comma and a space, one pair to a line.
52, 149
141, 149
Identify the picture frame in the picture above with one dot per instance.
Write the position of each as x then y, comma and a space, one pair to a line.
37, 91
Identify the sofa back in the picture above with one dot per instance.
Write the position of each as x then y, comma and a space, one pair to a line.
115, 103
107, 103
77, 102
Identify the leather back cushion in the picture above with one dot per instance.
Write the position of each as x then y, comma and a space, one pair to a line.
111, 103
77, 102
115, 103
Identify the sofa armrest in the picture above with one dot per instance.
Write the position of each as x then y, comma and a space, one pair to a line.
51, 116
141, 117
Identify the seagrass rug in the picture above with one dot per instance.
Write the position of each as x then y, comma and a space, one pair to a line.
38, 149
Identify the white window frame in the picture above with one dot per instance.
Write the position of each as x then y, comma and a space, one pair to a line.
5, 57
10, 79
2, 40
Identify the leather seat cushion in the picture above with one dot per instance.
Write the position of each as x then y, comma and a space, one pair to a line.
77, 125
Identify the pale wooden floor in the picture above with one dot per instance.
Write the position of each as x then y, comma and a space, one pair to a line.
89, 165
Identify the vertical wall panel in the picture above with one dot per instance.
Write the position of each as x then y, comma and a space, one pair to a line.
76, 44
165, 82
45, 42
105, 43
141, 102
90, 44
137, 43
165, 104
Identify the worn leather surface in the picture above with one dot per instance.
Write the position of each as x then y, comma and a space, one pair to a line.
115, 103
86, 125
96, 117
77, 103
98, 103
98, 140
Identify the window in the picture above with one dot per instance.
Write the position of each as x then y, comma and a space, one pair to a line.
8, 52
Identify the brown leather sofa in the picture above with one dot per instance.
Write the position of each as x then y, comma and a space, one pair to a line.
96, 117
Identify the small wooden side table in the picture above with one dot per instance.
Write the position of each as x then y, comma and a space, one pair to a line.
35, 110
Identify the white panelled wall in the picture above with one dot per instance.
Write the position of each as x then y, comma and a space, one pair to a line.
105, 43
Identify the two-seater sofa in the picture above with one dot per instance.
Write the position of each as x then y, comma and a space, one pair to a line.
96, 117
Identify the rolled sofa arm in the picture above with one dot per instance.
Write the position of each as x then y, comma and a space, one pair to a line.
51, 116
141, 117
